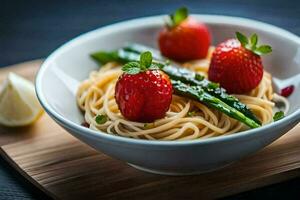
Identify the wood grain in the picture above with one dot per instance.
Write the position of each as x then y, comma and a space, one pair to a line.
65, 168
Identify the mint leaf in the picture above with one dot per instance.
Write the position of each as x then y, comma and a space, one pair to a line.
146, 59
145, 63
264, 49
101, 119
242, 38
131, 68
278, 115
180, 15
104, 57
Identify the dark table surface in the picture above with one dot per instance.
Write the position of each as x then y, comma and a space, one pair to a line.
32, 29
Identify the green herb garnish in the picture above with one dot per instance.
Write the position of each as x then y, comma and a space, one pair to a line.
146, 60
132, 68
191, 113
145, 63
278, 115
251, 44
101, 119
178, 16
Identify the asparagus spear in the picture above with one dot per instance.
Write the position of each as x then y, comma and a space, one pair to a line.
199, 94
139, 48
120, 55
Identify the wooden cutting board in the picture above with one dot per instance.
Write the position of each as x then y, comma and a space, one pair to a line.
65, 168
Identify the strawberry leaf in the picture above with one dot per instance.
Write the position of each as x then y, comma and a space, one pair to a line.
254, 40
180, 15
251, 44
264, 49
146, 60
132, 68
242, 38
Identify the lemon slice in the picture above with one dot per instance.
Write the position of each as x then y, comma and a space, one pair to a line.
18, 103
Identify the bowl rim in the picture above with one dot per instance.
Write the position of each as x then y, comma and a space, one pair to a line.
146, 22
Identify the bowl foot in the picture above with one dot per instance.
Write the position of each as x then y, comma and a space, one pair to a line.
178, 173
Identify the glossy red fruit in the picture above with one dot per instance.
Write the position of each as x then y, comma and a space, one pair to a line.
286, 92
236, 68
145, 96
189, 40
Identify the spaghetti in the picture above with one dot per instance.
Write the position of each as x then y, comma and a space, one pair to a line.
185, 120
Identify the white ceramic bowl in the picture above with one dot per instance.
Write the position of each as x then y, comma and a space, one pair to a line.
59, 76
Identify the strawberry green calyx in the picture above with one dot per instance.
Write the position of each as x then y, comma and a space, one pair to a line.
145, 63
178, 16
251, 44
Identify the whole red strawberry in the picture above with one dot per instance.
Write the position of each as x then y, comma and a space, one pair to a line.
184, 38
237, 65
143, 93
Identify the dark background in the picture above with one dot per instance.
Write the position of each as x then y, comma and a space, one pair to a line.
32, 29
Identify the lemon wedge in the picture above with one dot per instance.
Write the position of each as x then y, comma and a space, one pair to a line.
18, 102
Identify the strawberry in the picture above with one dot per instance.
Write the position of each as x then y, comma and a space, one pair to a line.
236, 64
143, 93
184, 38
